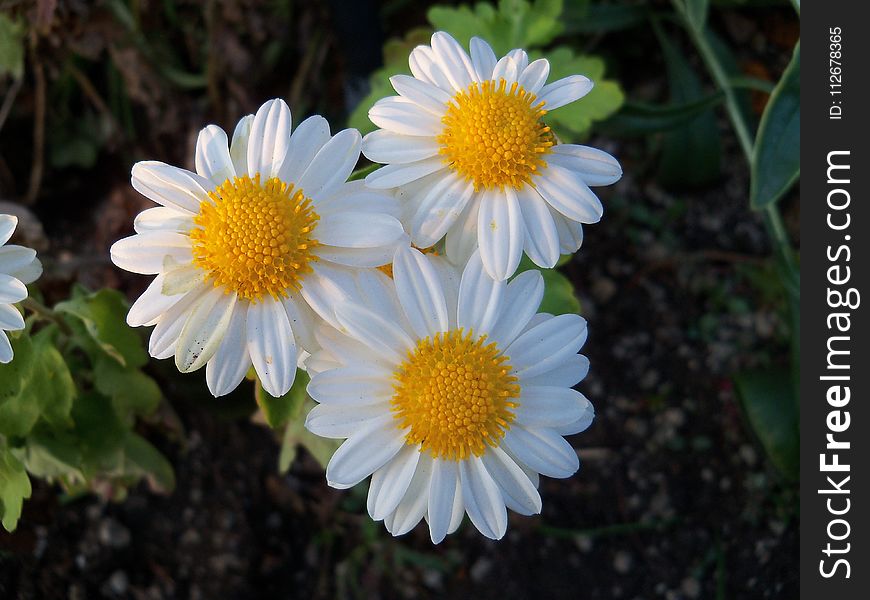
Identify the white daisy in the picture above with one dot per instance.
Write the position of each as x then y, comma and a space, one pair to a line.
18, 267
469, 133
247, 246
453, 395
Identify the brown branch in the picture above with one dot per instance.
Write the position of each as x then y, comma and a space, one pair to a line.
38, 126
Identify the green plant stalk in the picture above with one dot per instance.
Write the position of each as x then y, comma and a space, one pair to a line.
45, 313
786, 262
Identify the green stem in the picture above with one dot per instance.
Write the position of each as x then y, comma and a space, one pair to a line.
45, 313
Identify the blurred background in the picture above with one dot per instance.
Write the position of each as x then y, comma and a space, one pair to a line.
687, 487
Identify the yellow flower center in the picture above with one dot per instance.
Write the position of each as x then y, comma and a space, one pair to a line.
255, 239
456, 395
494, 136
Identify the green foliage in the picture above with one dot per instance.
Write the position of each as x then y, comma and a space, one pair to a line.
776, 162
11, 47
278, 411
14, 488
691, 154
513, 24
766, 397
69, 403
638, 119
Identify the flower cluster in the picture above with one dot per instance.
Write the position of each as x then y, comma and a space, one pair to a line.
452, 392
18, 267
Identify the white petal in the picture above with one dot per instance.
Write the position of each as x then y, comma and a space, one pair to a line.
580, 424
10, 318
483, 58
404, 116
182, 279
367, 450
229, 365
353, 385
521, 58
549, 406
482, 497
568, 373
519, 492
204, 330
522, 298
546, 345
354, 196
29, 272
570, 233
170, 186
395, 175
347, 350
149, 307
439, 209
7, 227
566, 191
325, 288
541, 241
442, 491
161, 218
358, 230
13, 258
449, 276
332, 164
6, 353
420, 293
501, 232
461, 239
413, 505
302, 320
388, 147
382, 336
543, 450
358, 257
426, 67
564, 91
390, 482
170, 323
535, 75
239, 145
595, 166
269, 139
426, 95
506, 68
11, 289
145, 253
213, 155
305, 142
458, 507
453, 59
342, 422
480, 298
272, 346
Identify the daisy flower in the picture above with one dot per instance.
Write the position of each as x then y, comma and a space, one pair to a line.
452, 393
469, 134
247, 249
18, 267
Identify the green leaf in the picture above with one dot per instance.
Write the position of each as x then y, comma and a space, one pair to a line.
103, 314
133, 393
559, 297
643, 119
601, 18
696, 12
514, 24
767, 401
776, 159
691, 155
14, 488
278, 411
11, 47
605, 99
37, 383
296, 435
144, 460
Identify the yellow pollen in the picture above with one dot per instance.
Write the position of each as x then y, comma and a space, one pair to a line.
255, 239
456, 394
494, 135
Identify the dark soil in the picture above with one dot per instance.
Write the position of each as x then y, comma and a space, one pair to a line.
675, 498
